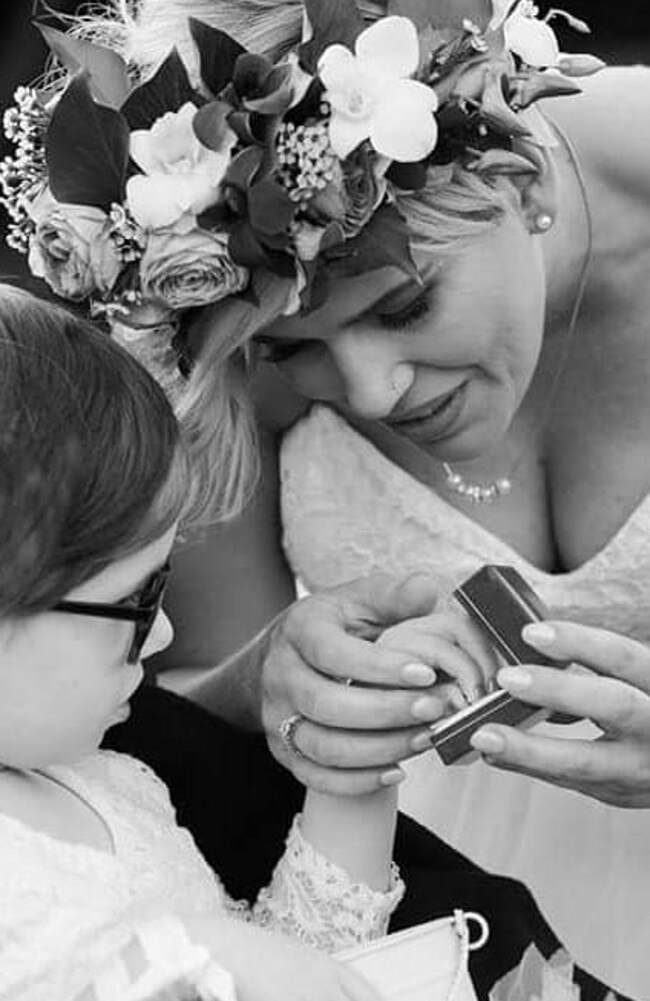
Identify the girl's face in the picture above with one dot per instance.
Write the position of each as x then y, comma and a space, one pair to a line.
64, 680
446, 364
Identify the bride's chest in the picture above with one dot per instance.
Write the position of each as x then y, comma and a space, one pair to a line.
570, 503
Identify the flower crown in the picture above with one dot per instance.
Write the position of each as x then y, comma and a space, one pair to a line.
168, 195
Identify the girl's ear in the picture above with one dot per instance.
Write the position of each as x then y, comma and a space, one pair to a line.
538, 193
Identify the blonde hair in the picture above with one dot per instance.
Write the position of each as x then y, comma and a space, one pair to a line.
215, 409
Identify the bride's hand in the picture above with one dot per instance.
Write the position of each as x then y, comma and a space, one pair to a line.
614, 694
346, 738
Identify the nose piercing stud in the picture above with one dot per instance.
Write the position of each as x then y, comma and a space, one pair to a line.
543, 222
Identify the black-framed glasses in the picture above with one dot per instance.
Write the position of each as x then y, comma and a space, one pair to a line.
142, 611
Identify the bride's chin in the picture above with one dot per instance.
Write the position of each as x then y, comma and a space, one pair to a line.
474, 440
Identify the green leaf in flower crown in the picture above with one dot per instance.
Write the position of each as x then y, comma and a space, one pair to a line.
218, 53
382, 243
331, 21
245, 249
105, 69
167, 90
407, 176
211, 126
270, 208
421, 12
87, 149
243, 168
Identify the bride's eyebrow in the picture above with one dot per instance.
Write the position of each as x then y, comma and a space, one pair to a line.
397, 299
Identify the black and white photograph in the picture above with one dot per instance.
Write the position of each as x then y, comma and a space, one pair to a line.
324, 500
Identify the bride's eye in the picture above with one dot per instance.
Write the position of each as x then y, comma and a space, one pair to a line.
275, 351
408, 315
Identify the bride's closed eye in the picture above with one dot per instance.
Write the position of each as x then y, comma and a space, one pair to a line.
408, 315
274, 350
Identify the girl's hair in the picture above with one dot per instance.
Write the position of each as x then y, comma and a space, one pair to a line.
91, 463
215, 408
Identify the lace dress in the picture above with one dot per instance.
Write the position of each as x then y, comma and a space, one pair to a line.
348, 511
65, 908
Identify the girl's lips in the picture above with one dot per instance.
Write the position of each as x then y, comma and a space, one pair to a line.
121, 714
433, 420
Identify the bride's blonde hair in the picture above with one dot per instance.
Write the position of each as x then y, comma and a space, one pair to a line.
215, 409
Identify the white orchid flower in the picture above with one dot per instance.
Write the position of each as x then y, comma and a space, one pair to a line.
181, 175
372, 97
530, 38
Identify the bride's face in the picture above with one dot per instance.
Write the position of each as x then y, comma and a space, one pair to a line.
445, 364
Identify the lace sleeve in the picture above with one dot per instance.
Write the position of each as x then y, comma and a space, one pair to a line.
315, 901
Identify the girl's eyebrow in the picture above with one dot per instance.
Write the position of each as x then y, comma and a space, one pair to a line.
144, 579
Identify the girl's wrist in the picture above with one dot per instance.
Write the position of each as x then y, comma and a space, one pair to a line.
354, 832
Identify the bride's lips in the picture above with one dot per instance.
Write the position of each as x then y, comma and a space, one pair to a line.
432, 420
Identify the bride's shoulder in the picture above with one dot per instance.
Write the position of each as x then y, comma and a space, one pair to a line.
608, 124
277, 405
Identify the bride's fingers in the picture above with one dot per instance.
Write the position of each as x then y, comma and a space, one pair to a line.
604, 652
332, 747
613, 772
616, 707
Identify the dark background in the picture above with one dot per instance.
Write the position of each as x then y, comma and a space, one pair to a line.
620, 34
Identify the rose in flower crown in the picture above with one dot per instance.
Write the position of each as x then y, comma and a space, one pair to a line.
153, 198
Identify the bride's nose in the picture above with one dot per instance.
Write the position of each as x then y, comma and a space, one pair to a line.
373, 376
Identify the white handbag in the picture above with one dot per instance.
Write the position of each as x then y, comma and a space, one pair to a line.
424, 963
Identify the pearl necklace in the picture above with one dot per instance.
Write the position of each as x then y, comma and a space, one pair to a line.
477, 493
493, 490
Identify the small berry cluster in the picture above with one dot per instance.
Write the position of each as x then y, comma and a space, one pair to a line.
128, 238
22, 175
306, 161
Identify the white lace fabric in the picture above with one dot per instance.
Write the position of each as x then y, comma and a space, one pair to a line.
348, 511
65, 908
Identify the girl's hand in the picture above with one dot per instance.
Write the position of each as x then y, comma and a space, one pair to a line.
451, 645
614, 694
267, 966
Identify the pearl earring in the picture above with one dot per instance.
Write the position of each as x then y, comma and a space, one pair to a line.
543, 222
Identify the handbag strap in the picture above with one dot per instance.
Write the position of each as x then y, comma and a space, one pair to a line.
461, 921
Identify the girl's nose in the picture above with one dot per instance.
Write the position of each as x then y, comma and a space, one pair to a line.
161, 635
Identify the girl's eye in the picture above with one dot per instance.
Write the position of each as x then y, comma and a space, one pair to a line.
131, 600
275, 351
409, 315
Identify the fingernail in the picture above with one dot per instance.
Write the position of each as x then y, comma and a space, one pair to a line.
458, 699
422, 742
539, 633
488, 742
392, 777
517, 678
427, 709
418, 674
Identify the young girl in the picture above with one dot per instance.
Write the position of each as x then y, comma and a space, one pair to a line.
103, 894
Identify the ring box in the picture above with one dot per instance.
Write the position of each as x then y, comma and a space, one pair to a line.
501, 603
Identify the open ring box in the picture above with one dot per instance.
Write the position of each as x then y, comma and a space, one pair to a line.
501, 603
424, 963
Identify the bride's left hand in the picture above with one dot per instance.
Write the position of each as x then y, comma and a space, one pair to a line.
614, 694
